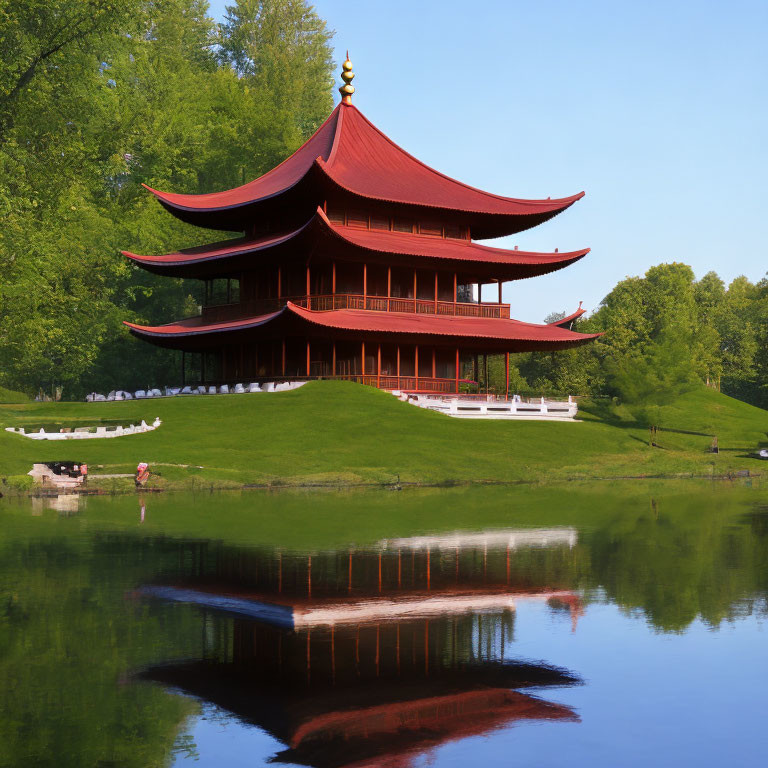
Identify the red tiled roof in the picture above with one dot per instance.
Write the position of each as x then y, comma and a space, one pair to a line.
508, 264
349, 153
279, 179
369, 322
193, 326
438, 325
568, 319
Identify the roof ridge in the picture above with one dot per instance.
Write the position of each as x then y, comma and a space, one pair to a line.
445, 176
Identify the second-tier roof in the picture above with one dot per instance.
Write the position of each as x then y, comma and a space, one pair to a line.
349, 156
348, 243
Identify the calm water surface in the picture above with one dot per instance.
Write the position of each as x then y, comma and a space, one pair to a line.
590, 625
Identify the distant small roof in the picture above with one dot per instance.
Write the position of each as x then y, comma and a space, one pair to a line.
348, 154
467, 257
495, 332
567, 321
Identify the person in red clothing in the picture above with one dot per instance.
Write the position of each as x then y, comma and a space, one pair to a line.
142, 474
84, 473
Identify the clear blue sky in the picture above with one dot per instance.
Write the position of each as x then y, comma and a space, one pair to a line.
658, 110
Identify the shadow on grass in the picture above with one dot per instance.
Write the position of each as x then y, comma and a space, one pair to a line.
604, 411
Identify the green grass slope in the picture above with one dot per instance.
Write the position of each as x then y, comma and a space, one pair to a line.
9, 396
337, 432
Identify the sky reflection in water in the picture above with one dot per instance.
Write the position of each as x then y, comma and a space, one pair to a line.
611, 626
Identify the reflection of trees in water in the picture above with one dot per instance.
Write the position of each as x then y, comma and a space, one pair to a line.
680, 563
68, 637
68, 641
675, 561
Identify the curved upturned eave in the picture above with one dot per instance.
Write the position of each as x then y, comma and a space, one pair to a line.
185, 263
568, 319
489, 216
493, 331
366, 321
471, 253
303, 158
500, 263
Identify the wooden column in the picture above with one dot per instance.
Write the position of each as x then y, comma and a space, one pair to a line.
415, 287
333, 281
457, 370
309, 301
333, 358
434, 362
398, 366
506, 374
307, 358
499, 291
365, 286
416, 369
362, 359
282, 368
378, 366
389, 286
455, 290
435, 291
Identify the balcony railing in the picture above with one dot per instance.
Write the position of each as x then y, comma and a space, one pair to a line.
383, 381
327, 302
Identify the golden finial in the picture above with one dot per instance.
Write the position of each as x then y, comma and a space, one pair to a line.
347, 75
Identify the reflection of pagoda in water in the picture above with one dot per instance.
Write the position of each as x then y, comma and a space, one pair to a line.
367, 657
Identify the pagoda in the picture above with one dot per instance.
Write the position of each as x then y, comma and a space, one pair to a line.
357, 261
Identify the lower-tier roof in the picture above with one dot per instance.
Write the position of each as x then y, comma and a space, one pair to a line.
489, 333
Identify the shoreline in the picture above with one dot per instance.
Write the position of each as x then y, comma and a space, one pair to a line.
396, 485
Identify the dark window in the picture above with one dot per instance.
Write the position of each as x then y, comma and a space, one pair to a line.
379, 222
433, 228
456, 231
402, 225
357, 219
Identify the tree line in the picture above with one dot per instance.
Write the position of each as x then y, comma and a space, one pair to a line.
98, 96
664, 333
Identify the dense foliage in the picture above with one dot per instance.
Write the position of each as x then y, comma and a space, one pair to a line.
97, 97
664, 333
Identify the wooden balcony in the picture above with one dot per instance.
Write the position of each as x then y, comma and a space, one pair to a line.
328, 302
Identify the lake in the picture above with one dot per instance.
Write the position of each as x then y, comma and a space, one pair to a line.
612, 624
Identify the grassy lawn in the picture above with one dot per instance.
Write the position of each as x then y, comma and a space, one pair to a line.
338, 432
